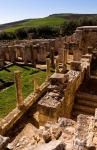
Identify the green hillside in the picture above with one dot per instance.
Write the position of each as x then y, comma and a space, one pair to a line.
52, 20
48, 21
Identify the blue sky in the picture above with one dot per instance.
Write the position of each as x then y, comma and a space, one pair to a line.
12, 10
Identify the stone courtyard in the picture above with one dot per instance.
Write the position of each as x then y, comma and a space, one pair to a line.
61, 114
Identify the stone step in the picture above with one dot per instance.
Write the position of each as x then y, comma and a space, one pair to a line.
86, 96
85, 102
84, 109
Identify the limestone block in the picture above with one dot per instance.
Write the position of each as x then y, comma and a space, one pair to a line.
57, 78
76, 65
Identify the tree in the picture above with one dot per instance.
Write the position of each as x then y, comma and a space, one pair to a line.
68, 28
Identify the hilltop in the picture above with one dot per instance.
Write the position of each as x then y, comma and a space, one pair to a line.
51, 20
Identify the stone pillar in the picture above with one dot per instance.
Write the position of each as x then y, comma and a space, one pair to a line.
57, 65
33, 56
76, 53
65, 56
48, 68
1, 63
35, 53
36, 85
12, 54
52, 57
64, 64
20, 101
25, 54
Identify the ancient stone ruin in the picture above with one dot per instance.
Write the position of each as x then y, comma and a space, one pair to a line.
61, 114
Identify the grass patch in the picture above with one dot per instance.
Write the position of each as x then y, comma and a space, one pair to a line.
8, 96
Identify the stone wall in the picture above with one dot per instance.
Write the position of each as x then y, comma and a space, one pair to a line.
86, 36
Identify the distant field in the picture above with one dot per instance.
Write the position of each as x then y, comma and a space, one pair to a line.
8, 95
48, 21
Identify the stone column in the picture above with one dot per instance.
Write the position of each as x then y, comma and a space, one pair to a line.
35, 53
33, 56
25, 54
52, 57
57, 65
1, 63
48, 68
76, 53
12, 54
65, 56
64, 64
36, 85
20, 101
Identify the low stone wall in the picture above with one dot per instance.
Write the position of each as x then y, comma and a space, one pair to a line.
8, 122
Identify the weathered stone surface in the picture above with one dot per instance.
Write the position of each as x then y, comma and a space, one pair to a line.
29, 137
53, 145
63, 122
84, 132
76, 65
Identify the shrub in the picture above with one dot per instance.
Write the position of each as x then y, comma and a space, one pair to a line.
21, 34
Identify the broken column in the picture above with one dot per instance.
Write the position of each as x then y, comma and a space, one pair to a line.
36, 85
48, 67
20, 100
